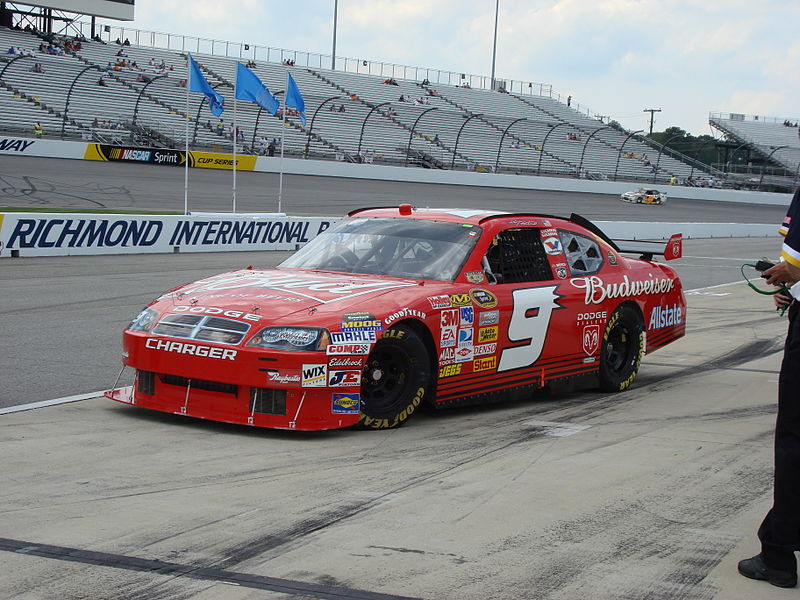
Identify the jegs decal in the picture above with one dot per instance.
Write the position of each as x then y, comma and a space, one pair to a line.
530, 318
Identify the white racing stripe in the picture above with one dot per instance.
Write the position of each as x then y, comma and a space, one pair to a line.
45, 403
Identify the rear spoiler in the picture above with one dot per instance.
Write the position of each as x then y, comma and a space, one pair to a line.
670, 251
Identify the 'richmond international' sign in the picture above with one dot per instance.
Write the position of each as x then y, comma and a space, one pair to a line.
30, 234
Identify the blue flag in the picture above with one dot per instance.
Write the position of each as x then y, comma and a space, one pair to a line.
250, 87
294, 98
198, 83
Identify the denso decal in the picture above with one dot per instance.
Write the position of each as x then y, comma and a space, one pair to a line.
339, 349
320, 288
483, 298
591, 339
283, 378
346, 361
403, 313
484, 349
665, 316
344, 378
315, 375
342, 337
484, 364
449, 370
488, 334
489, 317
190, 349
345, 404
438, 302
597, 291
213, 310
467, 314
552, 246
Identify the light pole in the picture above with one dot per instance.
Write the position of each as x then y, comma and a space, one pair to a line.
494, 45
333, 52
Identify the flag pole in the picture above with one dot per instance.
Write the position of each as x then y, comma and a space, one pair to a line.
186, 162
235, 131
283, 133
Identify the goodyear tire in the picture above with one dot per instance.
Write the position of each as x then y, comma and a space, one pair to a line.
622, 349
396, 379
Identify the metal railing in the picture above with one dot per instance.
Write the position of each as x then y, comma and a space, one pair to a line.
728, 116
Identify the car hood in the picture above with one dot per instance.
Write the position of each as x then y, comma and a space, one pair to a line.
277, 293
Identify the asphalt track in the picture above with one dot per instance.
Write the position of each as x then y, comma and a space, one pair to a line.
61, 183
648, 494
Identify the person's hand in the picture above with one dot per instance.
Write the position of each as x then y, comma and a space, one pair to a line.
781, 301
783, 273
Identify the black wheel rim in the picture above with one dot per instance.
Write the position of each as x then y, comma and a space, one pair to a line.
618, 348
385, 378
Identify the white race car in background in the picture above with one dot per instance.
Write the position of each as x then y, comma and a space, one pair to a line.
645, 196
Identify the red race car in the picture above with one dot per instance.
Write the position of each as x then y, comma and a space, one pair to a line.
394, 307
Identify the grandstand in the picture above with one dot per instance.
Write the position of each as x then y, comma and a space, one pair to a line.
351, 116
775, 142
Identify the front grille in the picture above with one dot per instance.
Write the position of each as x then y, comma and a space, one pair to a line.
199, 327
268, 402
146, 382
200, 384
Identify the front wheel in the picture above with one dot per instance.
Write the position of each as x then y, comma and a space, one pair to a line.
622, 349
395, 380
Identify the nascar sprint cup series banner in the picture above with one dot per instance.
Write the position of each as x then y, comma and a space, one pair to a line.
36, 234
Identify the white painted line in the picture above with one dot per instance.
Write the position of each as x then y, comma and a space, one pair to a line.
713, 287
45, 403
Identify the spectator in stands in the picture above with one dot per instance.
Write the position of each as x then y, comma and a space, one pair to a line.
101, 82
121, 52
152, 62
354, 97
262, 145
37, 68
569, 101
220, 126
391, 112
402, 98
436, 139
182, 83
11, 50
271, 148
390, 81
38, 130
126, 42
118, 42
425, 81
502, 90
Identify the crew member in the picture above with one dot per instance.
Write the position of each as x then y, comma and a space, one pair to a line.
780, 531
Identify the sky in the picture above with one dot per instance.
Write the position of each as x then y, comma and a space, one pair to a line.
614, 57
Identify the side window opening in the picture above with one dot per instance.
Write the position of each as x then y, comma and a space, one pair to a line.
517, 255
583, 253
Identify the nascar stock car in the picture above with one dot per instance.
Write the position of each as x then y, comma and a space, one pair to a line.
645, 196
394, 307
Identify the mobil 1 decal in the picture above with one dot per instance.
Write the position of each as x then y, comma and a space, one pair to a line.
527, 329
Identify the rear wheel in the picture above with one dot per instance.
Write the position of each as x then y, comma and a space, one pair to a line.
396, 379
622, 349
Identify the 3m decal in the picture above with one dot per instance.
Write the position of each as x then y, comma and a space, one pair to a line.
450, 370
598, 291
449, 319
665, 316
488, 334
339, 349
483, 298
344, 378
484, 364
489, 317
591, 339
530, 318
190, 349
315, 375
343, 337
345, 404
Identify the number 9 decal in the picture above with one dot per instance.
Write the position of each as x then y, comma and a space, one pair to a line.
530, 318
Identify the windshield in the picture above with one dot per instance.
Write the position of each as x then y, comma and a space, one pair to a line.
395, 247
